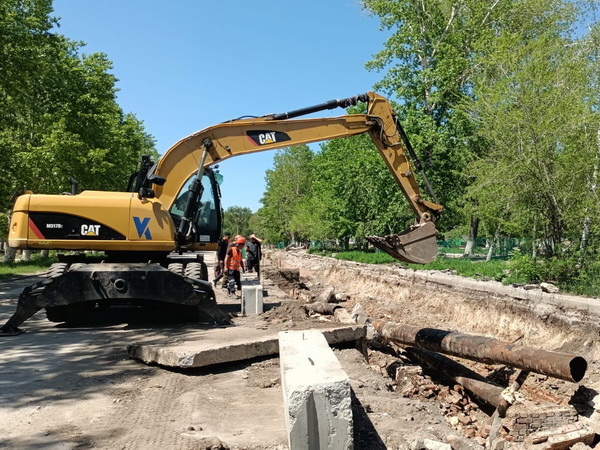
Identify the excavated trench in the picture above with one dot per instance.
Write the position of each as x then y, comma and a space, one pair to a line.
445, 301
431, 299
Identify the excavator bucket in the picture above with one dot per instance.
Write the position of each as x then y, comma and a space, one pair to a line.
416, 245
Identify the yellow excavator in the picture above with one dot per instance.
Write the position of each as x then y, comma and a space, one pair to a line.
148, 238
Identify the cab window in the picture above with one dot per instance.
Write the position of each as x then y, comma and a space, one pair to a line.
206, 216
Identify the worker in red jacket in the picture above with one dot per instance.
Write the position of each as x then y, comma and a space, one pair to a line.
234, 263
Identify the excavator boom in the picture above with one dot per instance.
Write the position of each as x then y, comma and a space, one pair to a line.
244, 136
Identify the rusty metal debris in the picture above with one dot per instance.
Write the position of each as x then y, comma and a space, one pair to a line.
479, 348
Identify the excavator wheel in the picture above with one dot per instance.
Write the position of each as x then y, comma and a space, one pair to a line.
176, 268
56, 270
196, 270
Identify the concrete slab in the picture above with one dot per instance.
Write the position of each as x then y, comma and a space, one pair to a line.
316, 393
222, 345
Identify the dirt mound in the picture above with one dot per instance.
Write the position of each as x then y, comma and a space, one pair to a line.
288, 311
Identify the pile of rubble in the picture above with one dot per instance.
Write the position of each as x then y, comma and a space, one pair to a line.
538, 417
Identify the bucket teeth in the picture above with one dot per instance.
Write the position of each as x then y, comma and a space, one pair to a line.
416, 245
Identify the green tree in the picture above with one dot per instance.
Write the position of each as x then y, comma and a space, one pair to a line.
25, 42
438, 54
60, 116
356, 194
58, 111
428, 62
288, 187
537, 105
236, 220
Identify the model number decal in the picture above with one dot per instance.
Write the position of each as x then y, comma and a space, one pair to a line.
141, 225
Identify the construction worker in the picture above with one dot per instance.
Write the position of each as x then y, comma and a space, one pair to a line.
253, 254
221, 253
234, 263
229, 245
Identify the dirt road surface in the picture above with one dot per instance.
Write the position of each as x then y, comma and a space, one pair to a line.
75, 388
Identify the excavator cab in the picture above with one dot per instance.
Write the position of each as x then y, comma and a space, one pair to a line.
207, 217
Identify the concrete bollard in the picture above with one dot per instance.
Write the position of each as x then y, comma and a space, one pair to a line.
252, 299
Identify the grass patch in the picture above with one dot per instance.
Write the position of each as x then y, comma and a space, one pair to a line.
497, 270
35, 264
487, 270
364, 257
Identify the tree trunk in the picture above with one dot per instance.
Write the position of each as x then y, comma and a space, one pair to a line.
493, 245
26, 255
534, 243
9, 254
587, 221
472, 236
45, 253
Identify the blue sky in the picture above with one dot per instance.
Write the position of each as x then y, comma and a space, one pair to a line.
184, 65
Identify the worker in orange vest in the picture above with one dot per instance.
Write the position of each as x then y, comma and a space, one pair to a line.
234, 263
230, 243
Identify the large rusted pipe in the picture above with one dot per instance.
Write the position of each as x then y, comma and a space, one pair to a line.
464, 376
488, 350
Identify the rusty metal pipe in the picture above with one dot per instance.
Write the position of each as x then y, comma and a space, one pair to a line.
488, 350
472, 381
322, 308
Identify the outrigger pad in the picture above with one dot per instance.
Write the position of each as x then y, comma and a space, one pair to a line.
417, 245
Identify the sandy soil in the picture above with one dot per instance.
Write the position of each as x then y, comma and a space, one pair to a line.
68, 388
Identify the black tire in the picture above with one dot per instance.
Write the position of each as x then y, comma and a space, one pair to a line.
176, 268
204, 271
193, 270
197, 271
56, 270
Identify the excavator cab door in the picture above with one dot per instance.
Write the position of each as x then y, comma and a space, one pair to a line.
207, 218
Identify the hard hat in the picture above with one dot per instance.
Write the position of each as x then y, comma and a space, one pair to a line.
240, 240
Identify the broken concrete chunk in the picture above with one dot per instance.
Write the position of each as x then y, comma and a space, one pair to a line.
359, 315
227, 345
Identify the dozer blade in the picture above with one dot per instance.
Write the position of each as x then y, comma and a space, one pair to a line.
417, 245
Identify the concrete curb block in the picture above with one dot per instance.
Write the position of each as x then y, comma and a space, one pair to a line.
316, 393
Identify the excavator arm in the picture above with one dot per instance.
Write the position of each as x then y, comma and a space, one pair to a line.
217, 143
